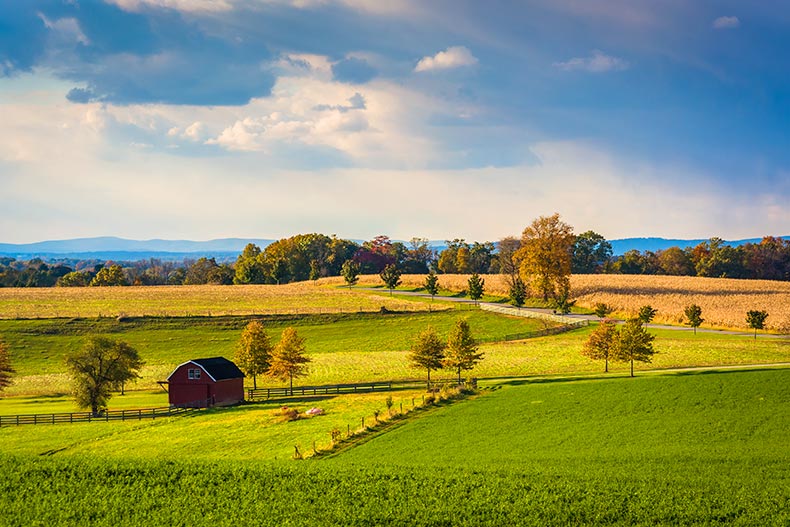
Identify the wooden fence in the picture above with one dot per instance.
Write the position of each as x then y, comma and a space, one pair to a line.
528, 313
89, 417
254, 394
331, 389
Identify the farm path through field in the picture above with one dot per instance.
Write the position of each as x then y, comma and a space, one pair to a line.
591, 318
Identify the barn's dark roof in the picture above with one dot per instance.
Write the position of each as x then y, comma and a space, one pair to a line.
219, 368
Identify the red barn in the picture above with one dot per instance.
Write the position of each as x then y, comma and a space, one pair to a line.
206, 382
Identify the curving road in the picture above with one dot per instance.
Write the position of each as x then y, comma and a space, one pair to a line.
580, 317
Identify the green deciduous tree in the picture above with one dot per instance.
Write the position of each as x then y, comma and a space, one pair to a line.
545, 255
461, 352
110, 276
647, 313
5, 365
289, 359
249, 269
634, 343
432, 284
601, 343
591, 253
601, 309
427, 352
391, 277
74, 279
756, 320
518, 292
254, 351
694, 315
350, 272
476, 286
103, 365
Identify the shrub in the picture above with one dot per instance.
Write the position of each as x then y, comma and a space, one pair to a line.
289, 414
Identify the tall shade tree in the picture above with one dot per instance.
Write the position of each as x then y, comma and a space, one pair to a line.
103, 365
350, 272
427, 352
756, 320
432, 284
601, 343
5, 365
634, 343
461, 352
545, 255
476, 287
289, 359
254, 351
518, 292
591, 252
647, 313
694, 316
391, 277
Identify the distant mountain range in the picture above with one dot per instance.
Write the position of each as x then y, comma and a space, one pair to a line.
226, 249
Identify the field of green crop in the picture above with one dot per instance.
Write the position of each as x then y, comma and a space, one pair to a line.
694, 449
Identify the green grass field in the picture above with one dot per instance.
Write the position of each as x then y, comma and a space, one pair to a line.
693, 449
344, 348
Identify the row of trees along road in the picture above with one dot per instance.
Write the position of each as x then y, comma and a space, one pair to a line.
459, 353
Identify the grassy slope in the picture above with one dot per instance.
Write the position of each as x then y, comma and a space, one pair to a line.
344, 348
691, 449
350, 348
248, 432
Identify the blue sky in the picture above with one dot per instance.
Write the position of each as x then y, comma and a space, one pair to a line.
202, 119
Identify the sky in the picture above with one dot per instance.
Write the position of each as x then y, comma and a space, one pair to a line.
442, 119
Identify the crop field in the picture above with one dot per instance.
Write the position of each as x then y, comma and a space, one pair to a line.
202, 300
694, 449
724, 301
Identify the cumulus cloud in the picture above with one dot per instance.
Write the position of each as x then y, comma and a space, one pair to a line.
598, 62
726, 22
452, 57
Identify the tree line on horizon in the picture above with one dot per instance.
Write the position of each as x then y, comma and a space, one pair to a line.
312, 256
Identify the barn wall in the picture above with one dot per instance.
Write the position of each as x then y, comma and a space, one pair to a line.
183, 390
228, 391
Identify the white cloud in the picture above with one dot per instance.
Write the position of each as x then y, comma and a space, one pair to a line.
187, 6
452, 57
374, 7
726, 22
66, 28
598, 62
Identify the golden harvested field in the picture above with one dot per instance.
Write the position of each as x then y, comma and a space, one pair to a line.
724, 301
197, 300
